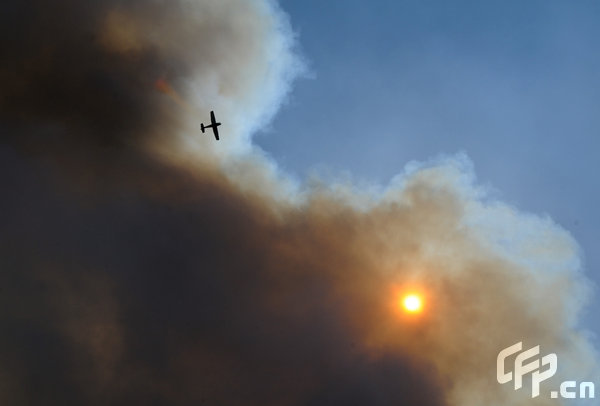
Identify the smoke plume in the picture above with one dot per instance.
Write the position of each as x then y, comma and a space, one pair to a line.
144, 263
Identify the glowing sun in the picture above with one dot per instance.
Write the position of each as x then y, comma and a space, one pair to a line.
412, 303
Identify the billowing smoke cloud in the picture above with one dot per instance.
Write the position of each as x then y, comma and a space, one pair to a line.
144, 263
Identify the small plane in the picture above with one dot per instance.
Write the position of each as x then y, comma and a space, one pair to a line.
213, 124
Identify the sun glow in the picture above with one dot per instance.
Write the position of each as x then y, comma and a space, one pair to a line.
412, 303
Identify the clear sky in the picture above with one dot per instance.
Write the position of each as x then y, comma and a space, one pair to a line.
513, 84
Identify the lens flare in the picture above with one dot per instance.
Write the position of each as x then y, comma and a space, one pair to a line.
164, 87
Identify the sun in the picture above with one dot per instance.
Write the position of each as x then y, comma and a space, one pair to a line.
412, 303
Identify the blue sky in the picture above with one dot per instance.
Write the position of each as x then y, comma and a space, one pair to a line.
515, 85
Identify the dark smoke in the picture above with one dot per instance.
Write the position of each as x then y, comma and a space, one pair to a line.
181, 296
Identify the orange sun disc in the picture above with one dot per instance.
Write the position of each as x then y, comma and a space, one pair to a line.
412, 303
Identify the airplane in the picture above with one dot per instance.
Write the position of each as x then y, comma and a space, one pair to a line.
213, 124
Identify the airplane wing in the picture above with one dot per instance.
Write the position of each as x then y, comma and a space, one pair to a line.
216, 132
212, 118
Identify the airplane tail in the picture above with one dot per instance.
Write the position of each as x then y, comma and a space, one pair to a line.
202, 127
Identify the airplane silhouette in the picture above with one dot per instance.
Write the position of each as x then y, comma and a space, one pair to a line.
213, 124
